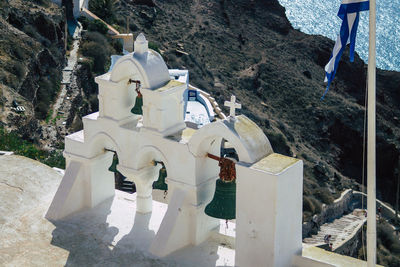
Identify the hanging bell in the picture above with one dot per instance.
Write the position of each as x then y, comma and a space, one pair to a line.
223, 204
113, 167
160, 183
137, 108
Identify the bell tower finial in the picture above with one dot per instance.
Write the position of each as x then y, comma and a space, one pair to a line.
141, 44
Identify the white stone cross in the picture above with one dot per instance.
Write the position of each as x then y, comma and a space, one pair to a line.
232, 106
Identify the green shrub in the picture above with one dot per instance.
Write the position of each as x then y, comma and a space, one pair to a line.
31, 31
18, 52
98, 53
117, 45
77, 124
97, 26
94, 102
18, 69
311, 205
279, 143
87, 63
105, 9
97, 47
49, 115
387, 238
133, 27
324, 195
12, 142
55, 159
48, 87
154, 47
9, 79
84, 22
96, 37
42, 2
56, 52
121, 21
308, 205
317, 205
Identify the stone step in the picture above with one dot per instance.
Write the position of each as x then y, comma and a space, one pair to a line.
340, 229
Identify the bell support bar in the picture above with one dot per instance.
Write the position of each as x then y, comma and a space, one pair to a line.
110, 150
155, 162
137, 82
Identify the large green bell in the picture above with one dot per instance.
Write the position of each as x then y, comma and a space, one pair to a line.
160, 183
137, 108
113, 167
223, 205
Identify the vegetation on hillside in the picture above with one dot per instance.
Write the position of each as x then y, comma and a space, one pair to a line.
104, 9
97, 47
388, 245
31, 53
12, 142
95, 50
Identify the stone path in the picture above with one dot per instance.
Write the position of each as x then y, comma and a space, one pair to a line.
341, 229
67, 72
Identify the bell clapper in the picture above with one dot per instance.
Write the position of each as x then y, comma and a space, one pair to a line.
226, 222
165, 194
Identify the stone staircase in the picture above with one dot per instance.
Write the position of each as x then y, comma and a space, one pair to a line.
341, 230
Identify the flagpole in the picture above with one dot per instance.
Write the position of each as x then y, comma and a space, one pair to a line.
371, 150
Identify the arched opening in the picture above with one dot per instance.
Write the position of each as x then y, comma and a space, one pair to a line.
152, 167
222, 205
121, 183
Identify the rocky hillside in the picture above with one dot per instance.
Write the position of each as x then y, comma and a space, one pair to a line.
249, 48
31, 59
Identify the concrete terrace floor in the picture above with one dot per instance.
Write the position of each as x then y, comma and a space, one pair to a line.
111, 234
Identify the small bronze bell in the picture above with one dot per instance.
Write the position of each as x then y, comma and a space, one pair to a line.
223, 204
137, 108
113, 167
160, 183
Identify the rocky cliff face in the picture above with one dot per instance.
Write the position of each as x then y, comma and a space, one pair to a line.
249, 48
31, 59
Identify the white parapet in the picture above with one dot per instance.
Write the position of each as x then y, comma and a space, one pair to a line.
269, 211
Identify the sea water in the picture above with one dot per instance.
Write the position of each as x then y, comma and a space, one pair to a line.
320, 17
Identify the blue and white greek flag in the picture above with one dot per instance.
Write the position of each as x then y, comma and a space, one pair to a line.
349, 13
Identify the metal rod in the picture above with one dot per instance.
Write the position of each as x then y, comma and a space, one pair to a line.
106, 149
371, 149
